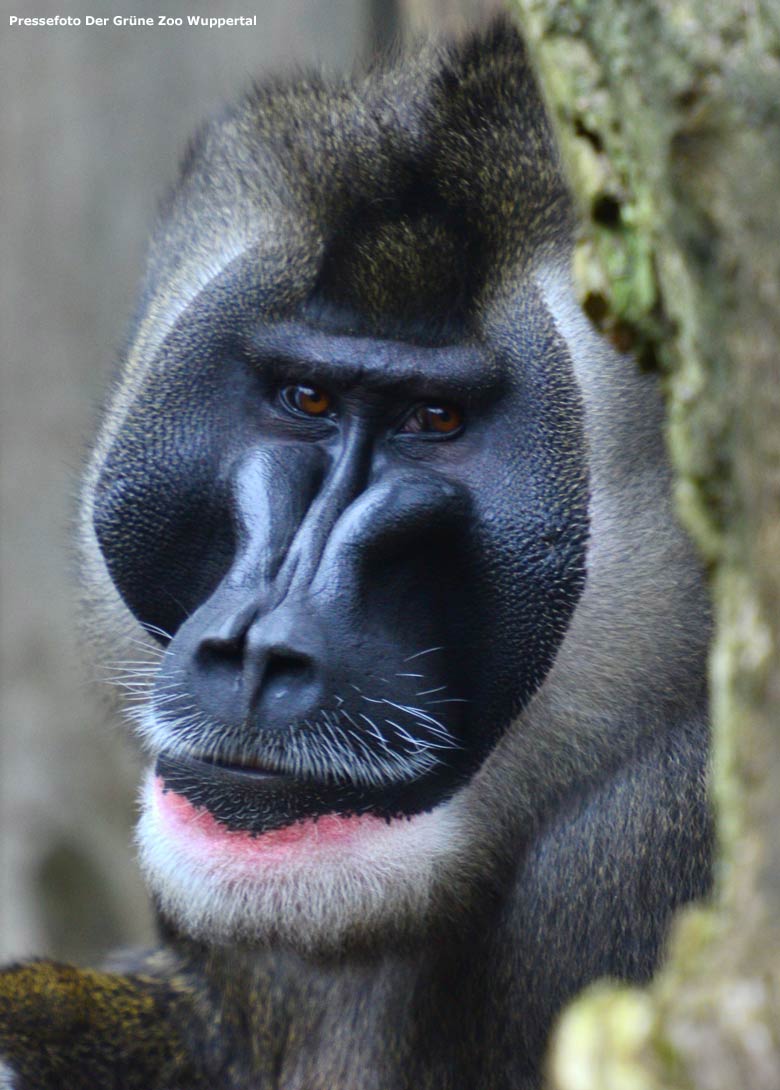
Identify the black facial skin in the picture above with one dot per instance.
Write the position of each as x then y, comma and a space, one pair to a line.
352, 594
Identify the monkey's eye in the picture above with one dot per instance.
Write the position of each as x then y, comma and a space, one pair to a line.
308, 400
433, 420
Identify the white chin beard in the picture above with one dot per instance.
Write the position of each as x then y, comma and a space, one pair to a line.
313, 886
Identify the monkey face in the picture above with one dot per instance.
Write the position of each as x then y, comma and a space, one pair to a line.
360, 554
344, 482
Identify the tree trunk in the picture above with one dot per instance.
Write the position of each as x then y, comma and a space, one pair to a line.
668, 114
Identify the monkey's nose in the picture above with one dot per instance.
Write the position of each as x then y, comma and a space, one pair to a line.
274, 666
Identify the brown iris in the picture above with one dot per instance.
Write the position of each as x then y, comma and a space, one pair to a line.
309, 400
434, 420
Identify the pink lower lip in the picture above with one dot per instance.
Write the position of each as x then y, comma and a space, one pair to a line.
204, 834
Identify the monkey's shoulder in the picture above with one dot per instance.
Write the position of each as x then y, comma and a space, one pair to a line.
64, 1028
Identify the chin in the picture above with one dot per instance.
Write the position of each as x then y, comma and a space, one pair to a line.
316, 886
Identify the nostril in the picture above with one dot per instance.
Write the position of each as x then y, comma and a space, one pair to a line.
297, 663
285, 671
214, 677
216, 651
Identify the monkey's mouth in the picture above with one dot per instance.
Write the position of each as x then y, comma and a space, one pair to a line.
254, 799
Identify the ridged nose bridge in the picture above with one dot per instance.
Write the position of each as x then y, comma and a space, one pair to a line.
400, 517
341, 486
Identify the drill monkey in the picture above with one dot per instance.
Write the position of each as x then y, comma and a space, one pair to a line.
427, 732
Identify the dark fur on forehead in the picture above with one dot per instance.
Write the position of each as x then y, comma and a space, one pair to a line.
411, 271
396, 190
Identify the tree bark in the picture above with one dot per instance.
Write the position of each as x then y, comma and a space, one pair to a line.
669, 118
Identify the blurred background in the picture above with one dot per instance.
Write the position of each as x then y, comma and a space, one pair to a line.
94, 121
